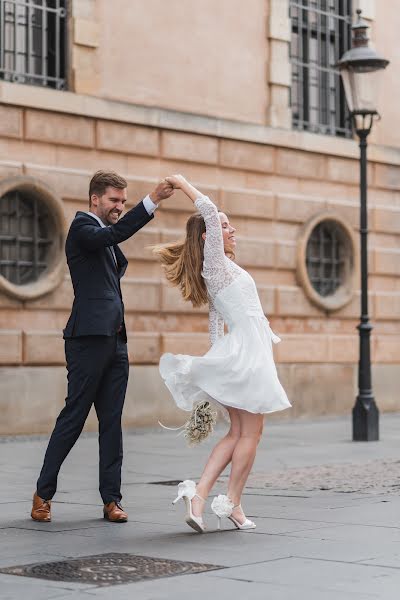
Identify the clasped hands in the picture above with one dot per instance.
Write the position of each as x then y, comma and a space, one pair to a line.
166, 188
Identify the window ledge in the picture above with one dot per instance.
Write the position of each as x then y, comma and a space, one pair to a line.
103, 108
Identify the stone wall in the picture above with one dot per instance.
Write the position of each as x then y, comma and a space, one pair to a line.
269, 192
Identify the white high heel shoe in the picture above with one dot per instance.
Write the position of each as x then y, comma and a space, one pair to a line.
222, 506
187, 491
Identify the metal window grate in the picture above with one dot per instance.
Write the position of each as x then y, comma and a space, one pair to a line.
33, 42
321, 33
325, 258
25, 242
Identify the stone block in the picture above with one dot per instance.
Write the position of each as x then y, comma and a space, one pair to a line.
148, 400
189, 147
345, 170
43, 348
172, 301
343, 349
386, 382
144, 347
247, 156
385, 349
248, 203
139, 188
316, 390
306, 165
194, 344
7, 302
86, 32
59, 128
387, 262
386, 219
9, 168
286, 255
69, 184
301, 348
130, 139
387, 306
31, 398
10, 347
280, 71
279, 27
141, 295
349, 211
387, 176
139, 245
292, 301
253, 252
60, 299
267, 298
24, 152
10, 121
296, 208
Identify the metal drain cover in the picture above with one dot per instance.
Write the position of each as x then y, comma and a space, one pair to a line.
171, 482
109, 569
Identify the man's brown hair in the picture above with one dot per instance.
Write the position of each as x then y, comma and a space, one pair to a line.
104, 179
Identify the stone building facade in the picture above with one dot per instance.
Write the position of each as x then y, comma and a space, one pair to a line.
203, 88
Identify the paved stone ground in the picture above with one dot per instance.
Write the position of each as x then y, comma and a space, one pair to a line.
327, 513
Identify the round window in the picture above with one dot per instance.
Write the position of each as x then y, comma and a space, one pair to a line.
31, 238
326, 261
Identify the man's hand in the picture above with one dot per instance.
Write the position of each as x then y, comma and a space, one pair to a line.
163, 190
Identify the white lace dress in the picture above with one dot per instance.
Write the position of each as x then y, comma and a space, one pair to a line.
239, 369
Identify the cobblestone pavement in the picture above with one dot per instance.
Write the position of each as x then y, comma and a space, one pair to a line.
373, 477
327, 513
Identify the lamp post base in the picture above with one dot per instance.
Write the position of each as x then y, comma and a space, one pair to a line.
365, 420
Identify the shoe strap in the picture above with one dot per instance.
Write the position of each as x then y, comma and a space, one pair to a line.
199, 497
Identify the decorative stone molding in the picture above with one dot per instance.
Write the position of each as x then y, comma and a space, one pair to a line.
279, 68
345, 291
54, 273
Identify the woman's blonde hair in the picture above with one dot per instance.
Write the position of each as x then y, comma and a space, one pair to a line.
183, 261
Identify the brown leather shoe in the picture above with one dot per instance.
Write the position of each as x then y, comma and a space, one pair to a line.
41, 509
114, 512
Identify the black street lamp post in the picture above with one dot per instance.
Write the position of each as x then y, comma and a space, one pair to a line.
359, 68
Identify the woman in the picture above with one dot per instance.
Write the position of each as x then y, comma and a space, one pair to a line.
238, 372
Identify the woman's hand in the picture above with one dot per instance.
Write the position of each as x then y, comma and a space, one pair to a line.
180, 183
177, 181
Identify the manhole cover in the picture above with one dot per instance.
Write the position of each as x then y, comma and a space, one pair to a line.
109, 569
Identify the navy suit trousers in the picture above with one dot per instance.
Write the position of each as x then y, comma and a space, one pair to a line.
98, 370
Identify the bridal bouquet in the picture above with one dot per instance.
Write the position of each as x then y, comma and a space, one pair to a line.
201, 423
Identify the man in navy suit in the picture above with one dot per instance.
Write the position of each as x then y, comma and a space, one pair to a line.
95, 338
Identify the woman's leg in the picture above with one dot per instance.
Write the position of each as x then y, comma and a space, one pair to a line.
218, 460
251, 427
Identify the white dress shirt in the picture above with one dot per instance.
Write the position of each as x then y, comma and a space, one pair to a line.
149, 205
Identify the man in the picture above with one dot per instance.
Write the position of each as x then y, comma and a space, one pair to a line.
95, 338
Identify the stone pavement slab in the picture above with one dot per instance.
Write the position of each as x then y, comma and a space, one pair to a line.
327, 513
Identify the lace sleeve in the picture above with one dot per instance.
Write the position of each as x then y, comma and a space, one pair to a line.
214, 255
215, 324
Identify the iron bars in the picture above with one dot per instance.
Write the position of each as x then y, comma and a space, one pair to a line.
321, 33
25, 238
33, 42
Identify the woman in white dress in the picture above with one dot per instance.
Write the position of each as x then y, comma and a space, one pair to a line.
238, 373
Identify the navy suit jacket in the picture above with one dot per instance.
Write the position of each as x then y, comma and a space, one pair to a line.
98, 308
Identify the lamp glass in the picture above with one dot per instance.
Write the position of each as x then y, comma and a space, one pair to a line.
361, 87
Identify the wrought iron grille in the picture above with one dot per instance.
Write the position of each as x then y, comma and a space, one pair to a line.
321, 33
325, 258
25, 238
33, 42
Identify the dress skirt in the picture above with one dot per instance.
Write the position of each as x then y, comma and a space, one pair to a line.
238, 371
